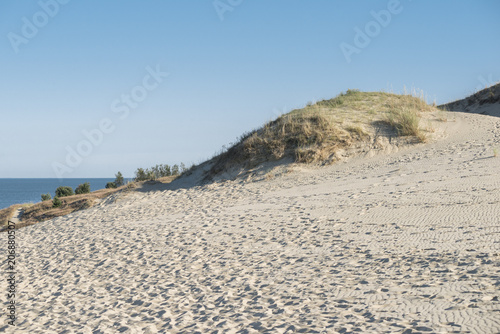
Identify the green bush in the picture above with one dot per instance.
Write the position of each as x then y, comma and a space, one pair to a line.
46, 197
118, 180
110, 185
83, 188
158, 171
56, 202
64, 191
175, 170
183, 168
141, 174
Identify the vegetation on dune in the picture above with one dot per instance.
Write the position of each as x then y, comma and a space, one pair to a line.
64, 191
119, 181
405, 121
403, 114
159, 171
56, 202
111, 185
488, 95
62, 206
316, 132
46, 197
308, 137
83, 189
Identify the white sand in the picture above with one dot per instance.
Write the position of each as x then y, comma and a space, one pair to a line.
409, 241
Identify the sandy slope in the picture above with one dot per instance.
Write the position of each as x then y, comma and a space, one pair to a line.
484, 102
403, 243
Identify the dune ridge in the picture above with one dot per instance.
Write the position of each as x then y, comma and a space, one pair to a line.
484, 102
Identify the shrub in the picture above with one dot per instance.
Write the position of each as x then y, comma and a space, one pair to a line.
83, 188
183, 168
118, 180
158, 171
46, 197
175, 170
56, 202
64, 191
141, 174
110, 185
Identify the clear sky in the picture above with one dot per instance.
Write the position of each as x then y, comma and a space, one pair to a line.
173, 81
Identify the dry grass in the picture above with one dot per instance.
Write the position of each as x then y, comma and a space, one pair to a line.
404, 112
316, 132
165, 179
495, 152
307, 137
405, 121
357, 130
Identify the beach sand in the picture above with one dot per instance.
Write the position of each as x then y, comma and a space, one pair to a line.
401, 243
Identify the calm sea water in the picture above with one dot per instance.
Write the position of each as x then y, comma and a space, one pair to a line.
17, 191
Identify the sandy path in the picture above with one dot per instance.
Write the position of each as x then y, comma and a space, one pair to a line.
17, 215
402, 243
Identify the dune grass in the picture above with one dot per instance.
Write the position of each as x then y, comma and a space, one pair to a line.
307, 136
315, 132
405, 121
403, 114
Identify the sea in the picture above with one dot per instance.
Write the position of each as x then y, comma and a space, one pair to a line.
20, 191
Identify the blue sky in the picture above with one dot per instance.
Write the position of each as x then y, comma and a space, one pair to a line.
70, 66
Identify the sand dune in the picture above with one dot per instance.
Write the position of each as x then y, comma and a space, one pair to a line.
407, 242
484, 102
